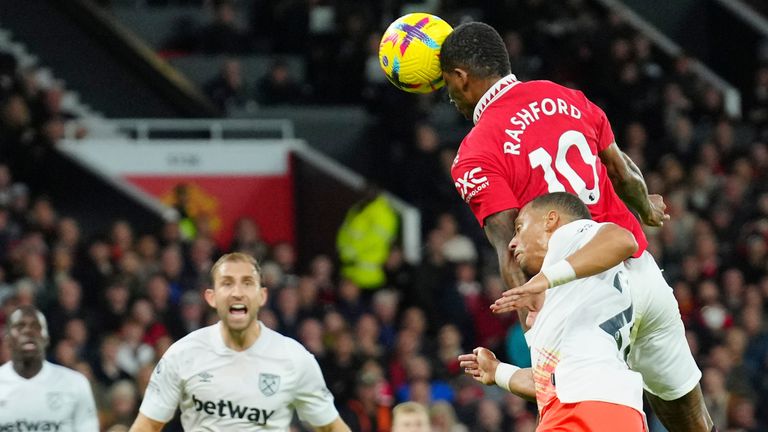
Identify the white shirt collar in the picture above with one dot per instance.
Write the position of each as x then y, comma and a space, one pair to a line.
499, 88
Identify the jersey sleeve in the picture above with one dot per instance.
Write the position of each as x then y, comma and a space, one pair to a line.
313, 401
163, 393
482, 181
603, 129
85, 417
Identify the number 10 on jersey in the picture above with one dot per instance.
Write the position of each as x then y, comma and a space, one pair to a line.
540, 158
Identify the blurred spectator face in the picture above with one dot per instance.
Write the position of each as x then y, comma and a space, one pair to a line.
752, 320
620, 50
418, 368
69, 232
122, 234
449, 337
65, 353
334, 323
123, 399
411, 422
489, 415
170, 262
311, 335
54, 130
414, 320
53, 98
407, 344
76, 331
117, 297
712, 100
246, 231
62, 260
225, 13
742, 413
637, 137
367, 328
721, 358
14, 114
736, 341
427, 139
34, 266
349, 291
385, 305
99, 251
421, 392
344, 345
129, 263
148, 247
322, 268
713, 381
308, 292
109, 347
201, 252
143, 312
284, 255
171, 233
288, 302
70, 295
271, 275
514, 44
442, 417
191, 307
158, 291
132, 332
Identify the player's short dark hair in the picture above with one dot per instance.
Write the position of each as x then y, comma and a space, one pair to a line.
564, 202
477, 48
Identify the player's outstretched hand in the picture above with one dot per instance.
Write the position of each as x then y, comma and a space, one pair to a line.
481, 365
657, 215
530, 296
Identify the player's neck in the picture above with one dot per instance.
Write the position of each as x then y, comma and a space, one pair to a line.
480, 87
241, 340
27, 368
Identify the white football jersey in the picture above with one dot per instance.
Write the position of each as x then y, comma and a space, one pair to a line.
580, 338
218, 389
56, 399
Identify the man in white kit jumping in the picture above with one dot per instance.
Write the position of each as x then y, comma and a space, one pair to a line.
580, 337
237, 375
36, 394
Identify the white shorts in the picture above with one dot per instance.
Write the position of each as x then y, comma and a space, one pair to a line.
658, 346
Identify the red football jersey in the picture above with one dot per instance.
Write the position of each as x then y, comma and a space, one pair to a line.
535, 137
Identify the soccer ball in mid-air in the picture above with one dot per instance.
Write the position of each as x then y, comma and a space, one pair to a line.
409, 52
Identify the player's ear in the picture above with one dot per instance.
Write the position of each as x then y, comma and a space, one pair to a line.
551, 220
462, 77
209, 297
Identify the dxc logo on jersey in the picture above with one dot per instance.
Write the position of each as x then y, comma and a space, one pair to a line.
225, 408
471, 182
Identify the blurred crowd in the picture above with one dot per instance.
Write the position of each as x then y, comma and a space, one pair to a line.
116, 301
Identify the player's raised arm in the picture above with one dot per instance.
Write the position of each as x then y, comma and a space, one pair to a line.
146, 424
610, 246
500, 229
630, 185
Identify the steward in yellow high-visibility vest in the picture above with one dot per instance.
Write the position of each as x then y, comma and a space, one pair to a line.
364, 240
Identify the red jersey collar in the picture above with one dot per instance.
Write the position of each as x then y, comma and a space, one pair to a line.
493, 93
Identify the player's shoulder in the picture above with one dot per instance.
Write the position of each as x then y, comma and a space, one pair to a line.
198, 340
286, 346
64, 376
